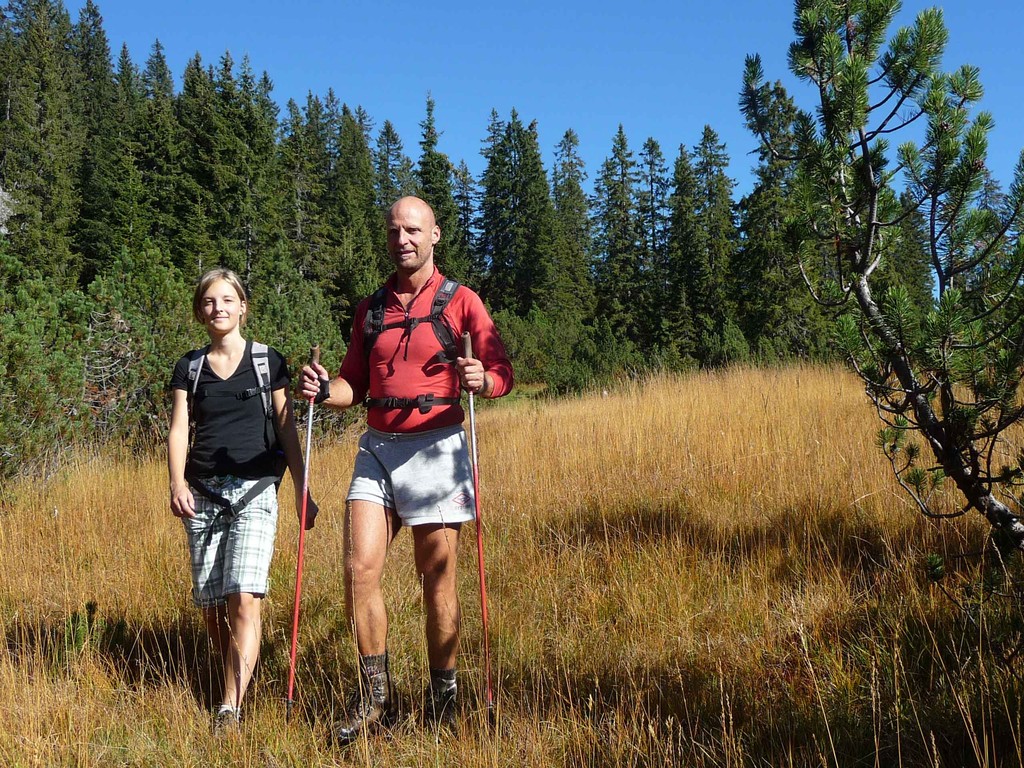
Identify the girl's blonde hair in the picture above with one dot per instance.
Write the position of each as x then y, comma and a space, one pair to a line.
220, 273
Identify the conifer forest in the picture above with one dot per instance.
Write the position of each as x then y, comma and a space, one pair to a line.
117, 189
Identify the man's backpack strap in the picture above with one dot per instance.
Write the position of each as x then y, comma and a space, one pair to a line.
442, 330
423, 402
373, 325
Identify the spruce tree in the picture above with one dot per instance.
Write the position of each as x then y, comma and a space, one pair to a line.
774, 309
465, 195
393, 171
356, 216
711, 298
571, 286
128, 218
518, 225
232, 170
676, 336
434, 174
42, 141
160, 139
617, 242
201, 240
653, 214
301, 188
96, 233
305, 160
260, 225
492, 210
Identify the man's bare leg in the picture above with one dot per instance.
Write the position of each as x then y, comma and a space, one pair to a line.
436, 548
369, 530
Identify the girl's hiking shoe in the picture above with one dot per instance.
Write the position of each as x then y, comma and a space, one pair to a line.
226, 721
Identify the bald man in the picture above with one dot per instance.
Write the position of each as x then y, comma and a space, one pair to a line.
405, 363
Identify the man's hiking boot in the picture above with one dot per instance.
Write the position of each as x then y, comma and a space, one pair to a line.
440, 708
371, 706
440, 699
226, 721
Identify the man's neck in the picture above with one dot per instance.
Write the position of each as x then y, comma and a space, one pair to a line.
411, 284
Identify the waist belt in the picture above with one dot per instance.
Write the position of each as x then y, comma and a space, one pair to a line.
423, 402
226, 506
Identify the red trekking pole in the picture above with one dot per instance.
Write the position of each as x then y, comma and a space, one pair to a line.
467, 345
314, 358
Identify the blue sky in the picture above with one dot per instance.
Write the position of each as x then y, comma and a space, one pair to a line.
661, 68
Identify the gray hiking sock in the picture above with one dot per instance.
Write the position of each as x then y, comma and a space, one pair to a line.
374, 664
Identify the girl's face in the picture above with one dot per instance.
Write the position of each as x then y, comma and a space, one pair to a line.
222, 308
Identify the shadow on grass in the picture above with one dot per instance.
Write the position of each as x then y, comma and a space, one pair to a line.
178, 652
694, 713
844, 539
892, 681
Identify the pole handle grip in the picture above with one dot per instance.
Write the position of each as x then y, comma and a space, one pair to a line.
467, 344
314, 355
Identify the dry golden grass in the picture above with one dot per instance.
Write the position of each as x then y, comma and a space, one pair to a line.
715, 569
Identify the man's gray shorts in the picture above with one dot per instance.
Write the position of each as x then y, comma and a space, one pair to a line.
426, 477
231, 554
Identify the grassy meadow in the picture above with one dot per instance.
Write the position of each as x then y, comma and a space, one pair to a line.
716, 569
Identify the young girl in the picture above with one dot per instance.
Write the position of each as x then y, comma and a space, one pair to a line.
224, 484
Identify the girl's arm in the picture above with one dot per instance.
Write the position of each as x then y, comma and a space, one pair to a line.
182, 502
289, 437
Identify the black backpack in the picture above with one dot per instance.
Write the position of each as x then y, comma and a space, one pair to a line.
260, 356
374, 326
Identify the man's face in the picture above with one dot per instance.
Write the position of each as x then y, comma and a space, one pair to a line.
412, 234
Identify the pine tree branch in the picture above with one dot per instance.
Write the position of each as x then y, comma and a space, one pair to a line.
922, 504
1001, 425
881, 129
910, 211
995, 335
933, 245
814, 295
897, 128
996, 238
962, 470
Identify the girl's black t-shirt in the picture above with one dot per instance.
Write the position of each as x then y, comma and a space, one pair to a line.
230, 433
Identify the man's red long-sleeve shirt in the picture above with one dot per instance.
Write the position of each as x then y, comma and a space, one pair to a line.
403, 364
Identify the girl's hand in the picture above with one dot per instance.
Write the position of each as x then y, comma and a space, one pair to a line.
183, 504
312, 510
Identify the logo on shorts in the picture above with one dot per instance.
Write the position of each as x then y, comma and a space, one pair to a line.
462, 500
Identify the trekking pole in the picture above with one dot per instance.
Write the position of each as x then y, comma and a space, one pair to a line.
467, 346
314, 358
